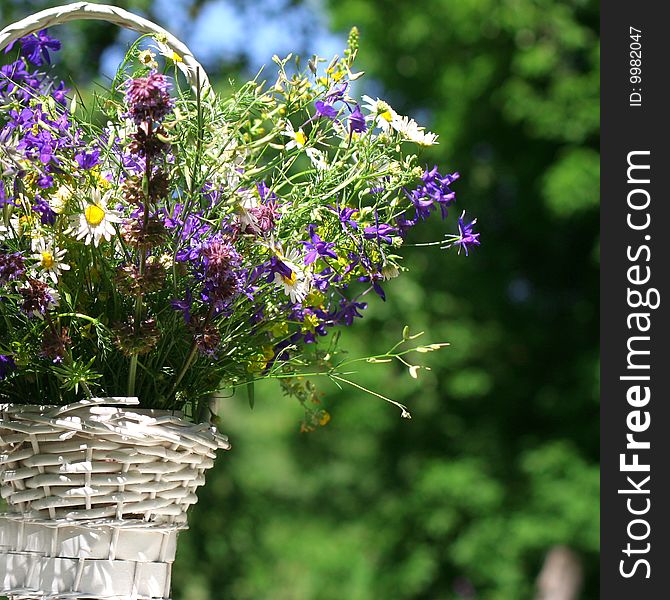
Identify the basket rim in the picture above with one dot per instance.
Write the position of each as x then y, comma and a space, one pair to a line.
57, 15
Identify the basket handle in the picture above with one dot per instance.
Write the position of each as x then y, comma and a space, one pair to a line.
103, 12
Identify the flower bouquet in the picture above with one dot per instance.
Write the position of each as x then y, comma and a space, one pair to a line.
160, 242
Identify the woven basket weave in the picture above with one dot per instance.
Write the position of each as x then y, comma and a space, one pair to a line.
97, 494
97, 491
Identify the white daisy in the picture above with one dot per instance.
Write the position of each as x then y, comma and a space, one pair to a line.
175, 57
318, 158
146, 58
50, 260
296, 286
381, 112
299, 283
427, 138
298, 138
413, 132
96, 221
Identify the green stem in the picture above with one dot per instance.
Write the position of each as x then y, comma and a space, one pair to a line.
132, 374
184, 369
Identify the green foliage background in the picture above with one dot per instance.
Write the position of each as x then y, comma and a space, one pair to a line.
500, 460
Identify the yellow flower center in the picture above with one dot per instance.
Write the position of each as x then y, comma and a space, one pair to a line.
290, 280
94, 215
386, 115
146, 57
48, 260
176, 58
300, 138
100, 181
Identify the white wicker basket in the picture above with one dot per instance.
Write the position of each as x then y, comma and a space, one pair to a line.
97, 493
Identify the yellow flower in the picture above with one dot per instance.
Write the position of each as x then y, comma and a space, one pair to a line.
94, 214
100, 181
310, 323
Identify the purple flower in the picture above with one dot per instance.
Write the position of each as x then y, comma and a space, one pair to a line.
148, 98
336, 92
40, 146
15, 79
357, 121
36, 47
381, 232
264, 192
322, 280
23, 120
45, 181
325, 109
4, 200
192, 230
376, 286
404, 224
465, 238
88, 160
42, 208
37, 298
184, 306
265, 217
11, 267
219, 269
7, 366
275, 265
349, 310
373, 279
58, 94
434, 191
344, 214
315, 322
317, 247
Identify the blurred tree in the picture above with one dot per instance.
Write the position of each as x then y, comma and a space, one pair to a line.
86, 40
